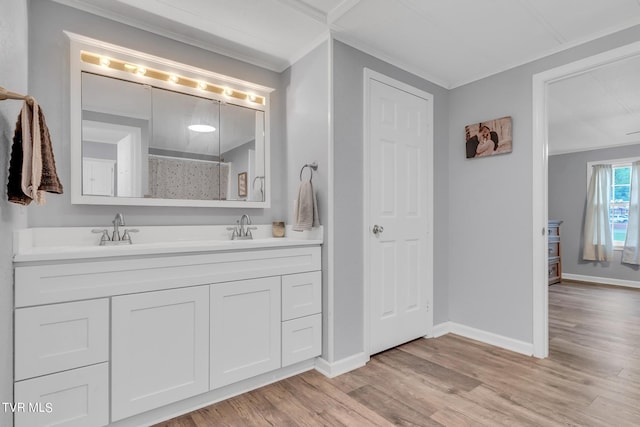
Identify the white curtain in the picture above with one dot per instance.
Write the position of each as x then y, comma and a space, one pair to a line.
598, 241
631, 252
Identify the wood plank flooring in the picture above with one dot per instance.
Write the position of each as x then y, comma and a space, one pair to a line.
592, 378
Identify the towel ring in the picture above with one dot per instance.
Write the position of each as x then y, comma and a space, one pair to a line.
253, 185
312, 167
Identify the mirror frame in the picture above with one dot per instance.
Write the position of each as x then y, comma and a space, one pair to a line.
240, 90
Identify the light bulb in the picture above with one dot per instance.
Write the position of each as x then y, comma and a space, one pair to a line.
202, 85
173, 78
104, 61
141, 71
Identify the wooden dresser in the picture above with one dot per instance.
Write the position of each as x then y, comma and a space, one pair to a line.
555, 261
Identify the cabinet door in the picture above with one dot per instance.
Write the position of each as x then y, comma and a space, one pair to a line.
160, 349
75, 398
245, 329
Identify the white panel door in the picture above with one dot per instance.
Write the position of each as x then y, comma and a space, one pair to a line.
98, 177
160, 349
245, 329
400, 257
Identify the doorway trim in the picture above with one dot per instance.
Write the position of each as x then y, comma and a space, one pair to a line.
370, 75
540, 146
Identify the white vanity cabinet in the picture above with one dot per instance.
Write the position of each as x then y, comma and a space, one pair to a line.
160, 349
136, 340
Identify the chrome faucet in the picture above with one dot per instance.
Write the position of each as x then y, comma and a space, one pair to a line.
242, 230
244, 222
117, 222
115, 238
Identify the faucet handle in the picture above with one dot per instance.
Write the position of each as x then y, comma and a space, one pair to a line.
235, 232
105, 235
126, 236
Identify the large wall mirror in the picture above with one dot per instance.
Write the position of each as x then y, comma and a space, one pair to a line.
164, 138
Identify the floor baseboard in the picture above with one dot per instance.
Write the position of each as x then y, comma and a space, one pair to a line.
342, 366
483, 336
601, 280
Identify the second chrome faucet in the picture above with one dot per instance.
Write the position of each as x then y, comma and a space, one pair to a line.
242, 230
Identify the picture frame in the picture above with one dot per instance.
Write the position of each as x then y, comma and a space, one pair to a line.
489, 138
242, 184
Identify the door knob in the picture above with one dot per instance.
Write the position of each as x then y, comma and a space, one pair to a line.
377, 229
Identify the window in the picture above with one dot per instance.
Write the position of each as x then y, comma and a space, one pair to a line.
620, 192
619, 204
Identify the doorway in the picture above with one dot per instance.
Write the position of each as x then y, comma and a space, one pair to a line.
398, 212
540, 141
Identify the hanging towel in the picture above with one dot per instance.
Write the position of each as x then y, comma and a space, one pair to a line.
306, 208
32, 168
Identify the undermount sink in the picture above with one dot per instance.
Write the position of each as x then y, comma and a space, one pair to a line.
52, 243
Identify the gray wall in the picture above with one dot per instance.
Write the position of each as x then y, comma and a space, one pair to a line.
490, 231
239, 159
49, 83
307, 131
348, 157
99, 150
13, 77
567, 199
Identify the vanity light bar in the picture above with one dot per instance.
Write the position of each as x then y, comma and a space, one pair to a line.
116, 64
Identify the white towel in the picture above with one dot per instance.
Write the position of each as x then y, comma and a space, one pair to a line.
306, 208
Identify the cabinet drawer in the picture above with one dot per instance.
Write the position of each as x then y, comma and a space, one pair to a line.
554, 231
75, 398
58, 337
301, 339
554, 249
301, 295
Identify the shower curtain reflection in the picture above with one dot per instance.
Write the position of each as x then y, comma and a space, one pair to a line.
174, 178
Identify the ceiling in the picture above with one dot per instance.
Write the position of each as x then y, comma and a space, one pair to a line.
449, 42
596, 109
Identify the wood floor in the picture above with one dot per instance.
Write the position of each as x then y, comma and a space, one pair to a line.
592, 378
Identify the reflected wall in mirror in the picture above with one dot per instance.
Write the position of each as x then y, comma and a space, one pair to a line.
156, 142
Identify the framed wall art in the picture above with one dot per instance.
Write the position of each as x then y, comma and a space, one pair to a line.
242, 184
489, 138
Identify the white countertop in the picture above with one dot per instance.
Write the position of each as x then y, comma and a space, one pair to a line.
73, 243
